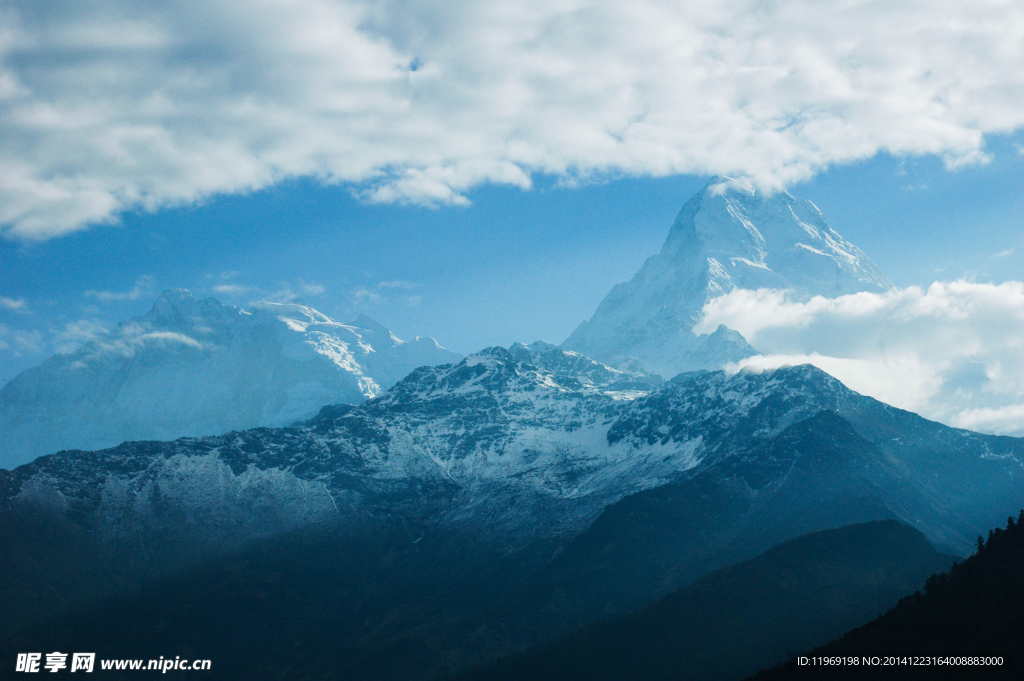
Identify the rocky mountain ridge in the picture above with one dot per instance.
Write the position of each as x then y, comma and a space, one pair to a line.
498, 440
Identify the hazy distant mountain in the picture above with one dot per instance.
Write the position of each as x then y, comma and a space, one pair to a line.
198, 367
727, 236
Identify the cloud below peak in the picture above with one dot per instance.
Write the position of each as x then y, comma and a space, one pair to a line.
953, 352
113, 105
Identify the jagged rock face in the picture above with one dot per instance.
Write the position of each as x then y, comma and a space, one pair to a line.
728, 236
192, 367
577, 372
523, 454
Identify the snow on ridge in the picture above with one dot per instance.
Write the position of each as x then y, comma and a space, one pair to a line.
529, 437
193, 367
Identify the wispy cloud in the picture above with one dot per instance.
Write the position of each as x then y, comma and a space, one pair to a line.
124, 341
21, 341
13, 304
30, 342
144, 287
386, 292
286, 293
311, 289
78, 333
398, 284
1003, 254
232, 289
364, 297
419, 102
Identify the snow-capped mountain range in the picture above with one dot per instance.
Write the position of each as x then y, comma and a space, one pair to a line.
192, 367
727, 236
554, 488
199, 367
531, 448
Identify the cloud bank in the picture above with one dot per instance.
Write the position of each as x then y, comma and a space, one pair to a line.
953, 353
114, 105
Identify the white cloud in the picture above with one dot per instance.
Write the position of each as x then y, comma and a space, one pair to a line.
13, 304
954, 353
311, 289
143, 288
112, 105
1003, 254
78, 333
170, 337
123, 341
232, 289
21, 341
30, 342
398, 284
386, 292
364, 298
1008, 419
285, 293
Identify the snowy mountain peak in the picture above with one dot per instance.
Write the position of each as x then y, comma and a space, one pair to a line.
496, 352
533, 349
378, 334
365, 322
721, 185
177, 304
727, 236
172, 301
199, 367
753, 240
520, 375
295, 312
573, 370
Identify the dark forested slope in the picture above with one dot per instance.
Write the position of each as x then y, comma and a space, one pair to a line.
737, 619
974, 609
